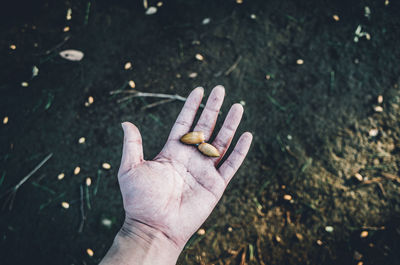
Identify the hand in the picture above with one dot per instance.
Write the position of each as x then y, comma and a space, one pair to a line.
171, 196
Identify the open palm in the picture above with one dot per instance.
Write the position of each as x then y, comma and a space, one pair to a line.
176, 191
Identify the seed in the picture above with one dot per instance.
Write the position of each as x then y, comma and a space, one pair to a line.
336, 17
132, 84
378, 108
160, 4
65, 205
329, 229
66, 29
61, 176
106, 222
193, 75
81, 140
206, 21
287, 197
230, 229
13, 47
69, 14
193, 138
386, 2
151, 10
5, 120
24, 84
239, 1
358, 176
253, 16
88, 182
300, 61
128, 65
77, 170
90, 100
373, 132
364, 234
278, 238
106, 166
90, 252
268, 77
243, 103
201, 232
208, 150
380, 99
199, 57
319, 242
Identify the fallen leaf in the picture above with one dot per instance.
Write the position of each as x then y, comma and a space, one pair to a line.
72, 55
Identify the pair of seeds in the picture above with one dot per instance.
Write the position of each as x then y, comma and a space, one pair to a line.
198, 139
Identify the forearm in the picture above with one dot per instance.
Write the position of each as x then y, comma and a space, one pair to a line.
139, 244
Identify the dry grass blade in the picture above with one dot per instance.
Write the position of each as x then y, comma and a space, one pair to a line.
83, 216
12, 191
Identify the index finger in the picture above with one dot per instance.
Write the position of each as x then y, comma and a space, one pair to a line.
186, 116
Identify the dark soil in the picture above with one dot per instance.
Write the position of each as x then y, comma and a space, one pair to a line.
311, 124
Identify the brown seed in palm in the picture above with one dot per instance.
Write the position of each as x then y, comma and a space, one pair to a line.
208, 150
193, 138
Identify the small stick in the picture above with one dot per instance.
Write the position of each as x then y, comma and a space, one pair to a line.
12, 192
260, 257
88, 198
82, 211
58, 45
234, 65
152, 105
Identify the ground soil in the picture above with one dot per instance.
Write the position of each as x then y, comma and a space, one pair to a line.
311, 122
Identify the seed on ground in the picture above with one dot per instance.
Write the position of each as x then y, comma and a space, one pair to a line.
160, 4
106, 165
132, 84
335, 17
239, 1
65, 205
201, 232
90, 252
106, 222
24, 84
77, 170
253, 16
128, 65
13, 47
329, 229
364, 234
358, 176
5, 120
88, 181
61, 176
373, 132
66, 29
300, 61
193, 75
319, 242
380, 99
199, 57
90, 100
82, 140
268, 77
287, 197
378, 109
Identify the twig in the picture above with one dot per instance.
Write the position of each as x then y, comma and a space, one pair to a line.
135, 93
83, 216
58, 45
260, 257
233, 66
88, 198
157, 103
13, 191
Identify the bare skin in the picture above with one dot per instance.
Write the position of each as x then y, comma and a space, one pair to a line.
168, 198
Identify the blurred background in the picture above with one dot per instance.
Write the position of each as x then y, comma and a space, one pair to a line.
319, 81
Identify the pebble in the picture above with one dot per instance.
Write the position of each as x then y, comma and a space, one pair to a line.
65, 205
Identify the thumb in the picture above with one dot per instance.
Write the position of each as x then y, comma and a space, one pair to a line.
132, 150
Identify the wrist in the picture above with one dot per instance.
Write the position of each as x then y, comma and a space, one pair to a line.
138, 243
